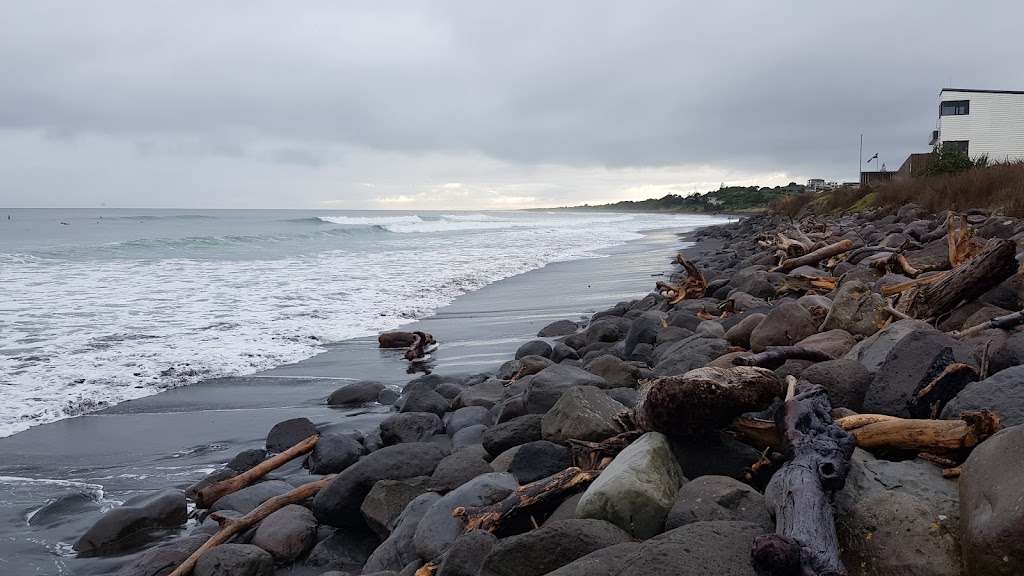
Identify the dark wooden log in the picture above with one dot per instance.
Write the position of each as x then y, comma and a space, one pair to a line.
419, 347
591, 455
993, 265
799, 495
775, 356
812, 259
703, 401
527, 497
396, 339
210, 494
808, 284
1006, 322
692, 287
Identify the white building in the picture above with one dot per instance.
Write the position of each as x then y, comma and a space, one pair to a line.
982, 122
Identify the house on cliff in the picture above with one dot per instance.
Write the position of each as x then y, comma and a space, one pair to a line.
989, 122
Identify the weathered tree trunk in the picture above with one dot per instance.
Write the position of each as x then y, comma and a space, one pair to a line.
207, 496
418, 348
813, 258
703, 401
396, 339
231, 526
799, 495
692, 287
493, 517
1002, 322
993, 265
874, 431
808, 283
775, 356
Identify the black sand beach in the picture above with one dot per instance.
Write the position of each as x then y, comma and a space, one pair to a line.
174, 438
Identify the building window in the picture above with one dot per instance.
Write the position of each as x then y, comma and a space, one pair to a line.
958, 145
955, 108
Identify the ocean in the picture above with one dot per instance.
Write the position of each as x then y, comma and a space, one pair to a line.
99, 306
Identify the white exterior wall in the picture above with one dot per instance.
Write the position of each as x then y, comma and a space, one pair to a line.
993, 126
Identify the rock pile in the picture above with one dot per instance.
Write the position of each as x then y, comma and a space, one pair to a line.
904, 316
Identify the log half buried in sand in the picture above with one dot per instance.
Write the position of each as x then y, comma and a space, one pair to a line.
231, 526
813, 258
207, 496
703, 401
529, 496
799, 495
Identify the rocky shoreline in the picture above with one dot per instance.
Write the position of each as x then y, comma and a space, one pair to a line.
560, 460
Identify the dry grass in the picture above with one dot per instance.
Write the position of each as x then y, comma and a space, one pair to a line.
843, 198
791, 204
999, 187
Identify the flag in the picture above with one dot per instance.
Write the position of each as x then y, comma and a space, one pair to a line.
875, 157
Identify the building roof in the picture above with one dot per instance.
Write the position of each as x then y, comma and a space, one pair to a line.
981, 91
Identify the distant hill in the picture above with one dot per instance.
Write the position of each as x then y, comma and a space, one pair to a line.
730, 199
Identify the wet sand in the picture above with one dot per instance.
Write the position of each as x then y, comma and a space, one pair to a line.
175, 437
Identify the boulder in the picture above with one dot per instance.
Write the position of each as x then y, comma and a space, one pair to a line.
617, 373
386, 501
425, 382
702, 548
287, 533
636, 491
710, 329
1002, 393
428, 401
485, 394
895, 534
64, 507
345, 549
739, 335
410, 427
835, 343
560, 352
845, 380
246, 460
558, 328
992, 505
919, 478
247, 499
548, 385
872, 351
338, 503
467, 416
470, 435
466, 555
726, 457
582, 413
159, 561
399, 550
534, 348
1009, 354
439, 529
333, 453
643, 331
625, 396
539, 459
550, 547
688, 354
356, 393
450, 390
286, 434
709, 498
602, 332
388, 397
456, 469
787, 324
566, 510
133, 523
516, 431
235, 560
604, 562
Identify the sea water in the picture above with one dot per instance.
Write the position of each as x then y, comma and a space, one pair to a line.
101, 306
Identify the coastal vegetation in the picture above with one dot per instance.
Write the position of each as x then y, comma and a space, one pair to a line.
725, 199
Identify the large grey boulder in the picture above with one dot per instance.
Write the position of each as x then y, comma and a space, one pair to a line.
465, 417
133, 523
540, 459
872, 351
548, 385
616, 372
534, 348
345, 549
439, 529
703, 548
604, 562
333, 453
845, 380
710, 498
857, 310
1002, 393
516, 431
467, 554
469, 436
895, 534
550, 547
456, 469
484, 394
425, 401
835, 343
410, 427
160, 560
386, 501
643, 331
287, 533
356, 393
1009, 354
688, 354
398, 550
582, 413
235, 560
636, 491
558, 328
739, 334
787, 324
992, 505
923, 480
337, 504
247, 499
286, 434
246, 460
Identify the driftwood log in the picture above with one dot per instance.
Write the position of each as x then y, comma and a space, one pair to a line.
799, 495
963, 246
395, 339
529, 496
808, 283
1006, 322
967, 282
210, 494
231, 526
703, 401
775, 356
420, 342
812, 258
595, 455
692, 287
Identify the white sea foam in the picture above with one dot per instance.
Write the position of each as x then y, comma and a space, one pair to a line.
80, 334
370, 221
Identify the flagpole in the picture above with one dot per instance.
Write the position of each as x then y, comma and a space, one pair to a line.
860, 169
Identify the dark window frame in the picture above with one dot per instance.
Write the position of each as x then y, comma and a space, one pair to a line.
961, 145
954, 108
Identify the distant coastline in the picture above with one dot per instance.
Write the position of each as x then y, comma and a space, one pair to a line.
732, 200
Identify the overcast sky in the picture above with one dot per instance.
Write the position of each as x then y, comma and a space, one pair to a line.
470, 104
